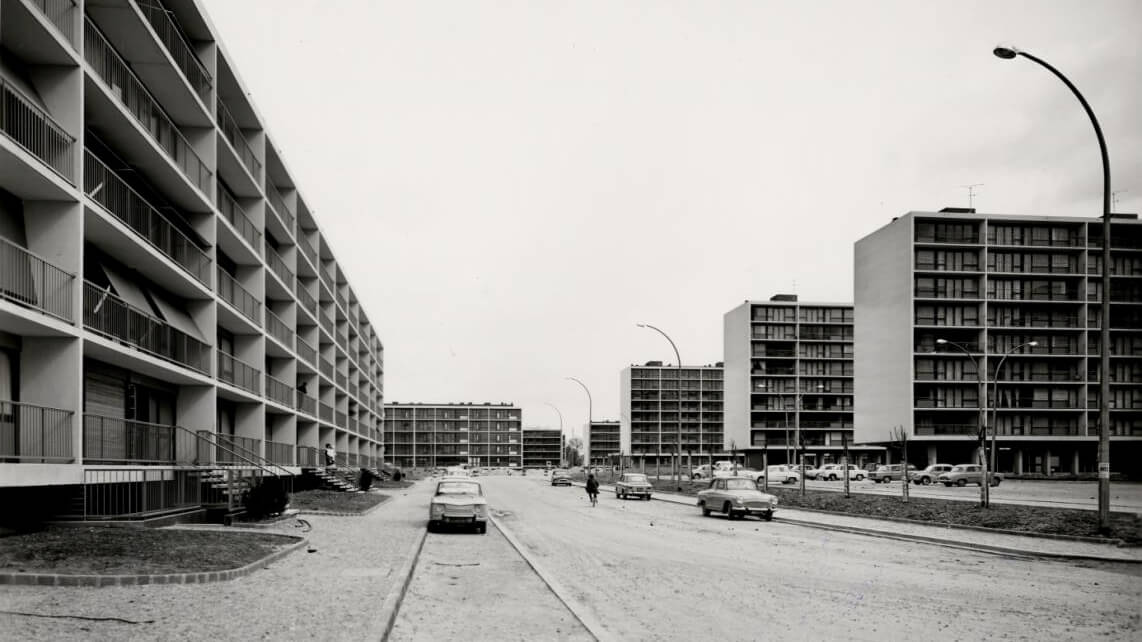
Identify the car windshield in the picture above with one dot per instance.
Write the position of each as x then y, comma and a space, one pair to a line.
457, 488
634, 478
740, 484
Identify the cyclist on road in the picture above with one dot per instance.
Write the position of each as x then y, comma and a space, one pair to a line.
592, 488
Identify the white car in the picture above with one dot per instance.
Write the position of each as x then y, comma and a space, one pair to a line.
780, 474
833, 472
458, 501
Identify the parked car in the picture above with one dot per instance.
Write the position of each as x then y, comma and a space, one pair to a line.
561, 478
965, 474
633, 484
700, 472
458, 501
886, 473
809, 472
928, 475
833, 472
779, 474
736, 497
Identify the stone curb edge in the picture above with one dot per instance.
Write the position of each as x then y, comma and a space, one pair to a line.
202, 577
330, 513
386, 617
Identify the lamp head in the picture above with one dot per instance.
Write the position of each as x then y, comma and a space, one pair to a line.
1032, 343
1007, 53
941, 341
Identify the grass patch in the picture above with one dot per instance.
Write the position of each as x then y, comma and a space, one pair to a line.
133, 551
337, 501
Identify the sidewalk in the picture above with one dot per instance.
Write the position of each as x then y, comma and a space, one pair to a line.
941, 535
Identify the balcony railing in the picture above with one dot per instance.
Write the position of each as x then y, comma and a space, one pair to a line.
306, 456
35, 434
239, 373
32, 129
341, 301
329, 273
342, 419
121, 201
114, 440
327, 322
278, 329
326, 367
279, 453
342, 380
28, 280
175, 43
279, 206
233, 293
279, 391
129, 90
235, 450
304, 297
113, 317
325, 412
307, 249
233, 133
947, 429
278, 266
60, 13
306, 404
233, 213
307, 352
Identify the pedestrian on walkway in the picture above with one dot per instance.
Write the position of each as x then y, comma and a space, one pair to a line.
330, 456
592, 488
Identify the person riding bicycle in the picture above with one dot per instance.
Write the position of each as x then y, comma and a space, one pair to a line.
592, 488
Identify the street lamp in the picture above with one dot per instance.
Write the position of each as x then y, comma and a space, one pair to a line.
1007, 53
590, 414
678, 435
981, 426
560, 426
995, 399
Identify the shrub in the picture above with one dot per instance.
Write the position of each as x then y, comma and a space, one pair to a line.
268, 497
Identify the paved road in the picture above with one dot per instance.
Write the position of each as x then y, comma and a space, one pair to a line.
658, 571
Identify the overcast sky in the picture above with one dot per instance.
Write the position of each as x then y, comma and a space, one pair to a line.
512, 186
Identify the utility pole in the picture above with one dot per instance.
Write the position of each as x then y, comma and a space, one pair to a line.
971, 193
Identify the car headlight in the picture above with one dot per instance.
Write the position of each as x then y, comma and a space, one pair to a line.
773, 503
437, 509
737, 500
481, 510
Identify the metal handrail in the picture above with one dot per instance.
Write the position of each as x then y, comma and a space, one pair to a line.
29, 280
58, 12
278, 329
21, 423
107, 314
233, 293
175, 42
215, 444
249, 379
30, 127
304, 297
233, 213
305, 351
279, 391
279, 206
233, 133
278, 267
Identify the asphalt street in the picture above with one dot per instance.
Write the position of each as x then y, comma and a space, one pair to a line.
660, 571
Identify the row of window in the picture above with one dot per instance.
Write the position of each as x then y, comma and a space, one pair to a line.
673, 373
789, 314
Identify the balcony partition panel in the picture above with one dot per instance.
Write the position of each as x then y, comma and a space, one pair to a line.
173, 39
34, 130
233, 293
107, 314
35, 434
28, 280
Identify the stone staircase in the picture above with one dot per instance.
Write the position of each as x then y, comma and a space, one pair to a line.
339, 479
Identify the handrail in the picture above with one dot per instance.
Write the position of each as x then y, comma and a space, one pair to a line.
279, 206
233, 133
233, 213
59, 14
198, 435
29, 280
175, 42
48, 141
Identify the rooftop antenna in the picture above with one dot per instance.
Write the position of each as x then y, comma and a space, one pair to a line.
971, 193
1114, 199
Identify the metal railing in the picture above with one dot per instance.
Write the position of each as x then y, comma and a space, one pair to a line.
342, 380
279, 206
307, 249
947, 429
327, 322
175, 42
231, 449
278, 266
113, 493
35, 434
325, 412
107, 314
233, 133
326, 367
306, 404
237, 217
239, 373
129, 90
307, 352
34, 130
237, 296
28, 280
278, 329
341, 300
306, 456
114, 440
330, 272
104, 186
60, 13
279, 391
342, 419
304, 297
279, 453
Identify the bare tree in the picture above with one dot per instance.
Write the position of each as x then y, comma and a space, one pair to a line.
845, 461
900, 440
574, 451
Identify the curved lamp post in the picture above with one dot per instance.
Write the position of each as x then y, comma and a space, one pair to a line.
590, 414
678, 435
981, 426
1008, 53
995, 399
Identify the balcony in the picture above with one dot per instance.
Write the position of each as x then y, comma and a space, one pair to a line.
33, 130
279, 391
230, 449
108, 315
307, 456
325, 412
307, 249
176, 45
327, 322
28, 280
233, 293
279, 206
306, 404
117, 198
305, 298
342, 380
31, 434
233, 133
279, 330
239, 373
341, 301
233, 213
307, 352
278, 267
114, 440
122, 83
59, 13
342, 419
326, 367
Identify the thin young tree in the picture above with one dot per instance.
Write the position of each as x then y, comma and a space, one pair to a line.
845, 460
900, 439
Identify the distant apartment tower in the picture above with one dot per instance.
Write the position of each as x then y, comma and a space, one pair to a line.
789, 376
168, 302
542, 447
424, 435
989, 285
662, 403
604, 443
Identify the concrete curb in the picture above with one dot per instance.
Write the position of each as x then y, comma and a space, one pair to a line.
593, 627
331, 513
386, 617
55, 579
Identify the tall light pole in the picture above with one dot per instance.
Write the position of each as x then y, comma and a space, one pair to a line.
560, 427
995, 400
590, 414
678, 436
1007, 53
981, 425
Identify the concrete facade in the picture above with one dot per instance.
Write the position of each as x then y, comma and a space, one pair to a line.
542, 447
604, 441
426, 435
655, 397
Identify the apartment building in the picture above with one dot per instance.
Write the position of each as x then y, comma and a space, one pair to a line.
604, 443
789, 381
664, 405
426, 435
947, 299
542, 447
168, 301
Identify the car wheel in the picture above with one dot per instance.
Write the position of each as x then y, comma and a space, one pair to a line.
947, 484
769, 516
888, 480
832, 478
961, 482
728, 510
431, 526
860, 477
994, 482
705, 512
927, 481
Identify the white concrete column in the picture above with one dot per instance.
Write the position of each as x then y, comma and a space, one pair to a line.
1018, 461
932, 455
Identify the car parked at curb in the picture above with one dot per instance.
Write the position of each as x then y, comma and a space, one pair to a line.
736, 497
928, 475
458, 501
561, 478
633, 485
833, 472
965, 474
779, 474
807, 471
886, 473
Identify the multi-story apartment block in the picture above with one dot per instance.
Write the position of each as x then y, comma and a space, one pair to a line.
542, 447
168, 302
946, 299
604, 443
789, 381
425, 435
667, 405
